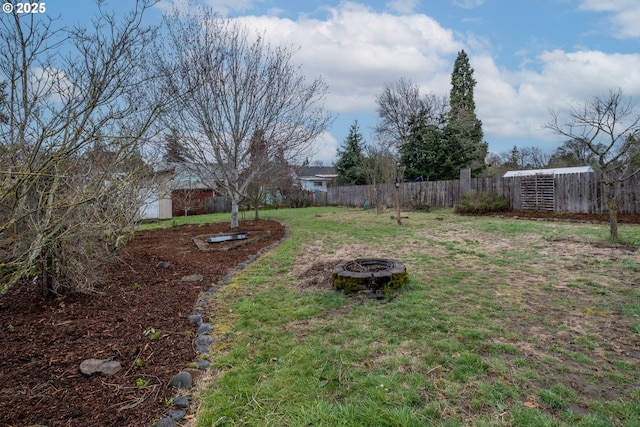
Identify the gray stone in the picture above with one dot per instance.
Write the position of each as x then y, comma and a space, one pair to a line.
106, 367
195, 319
204, 328
203, 342
193, 278
163, 265
181, 402
166, 422
202, 364
176, 414
181, 380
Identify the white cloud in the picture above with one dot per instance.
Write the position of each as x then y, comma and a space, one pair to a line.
517, 104
357, 51
52, 84
468, 4
326, 147
223, 7
625, 15
402, 6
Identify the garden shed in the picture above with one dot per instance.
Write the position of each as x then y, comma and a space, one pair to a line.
539, 188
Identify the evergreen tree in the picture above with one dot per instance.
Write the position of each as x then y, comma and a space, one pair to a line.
515, 158
434, 153
174, 150
419, 155
350, 163
464, 128
461, 95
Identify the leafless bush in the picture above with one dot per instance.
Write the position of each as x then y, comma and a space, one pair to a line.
71, 133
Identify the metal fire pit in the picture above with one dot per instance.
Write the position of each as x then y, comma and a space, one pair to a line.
375, 276
226, 237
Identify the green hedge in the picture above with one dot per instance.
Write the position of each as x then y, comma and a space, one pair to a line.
481, 203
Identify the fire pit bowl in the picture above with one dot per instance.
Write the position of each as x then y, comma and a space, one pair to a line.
369, 275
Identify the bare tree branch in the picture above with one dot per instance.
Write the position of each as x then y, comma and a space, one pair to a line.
399, 103
71, 138
233, 87
608, 127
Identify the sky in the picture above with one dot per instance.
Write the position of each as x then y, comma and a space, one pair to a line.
530, 57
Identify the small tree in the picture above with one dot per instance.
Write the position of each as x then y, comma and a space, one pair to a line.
350, 161
231, 86
380, 168
608, 127
188, 200
269, 181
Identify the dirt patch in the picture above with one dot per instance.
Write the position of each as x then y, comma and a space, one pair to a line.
45, 340
313, 267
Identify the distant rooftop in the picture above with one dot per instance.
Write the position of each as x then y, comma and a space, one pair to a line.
318, 171
550, 171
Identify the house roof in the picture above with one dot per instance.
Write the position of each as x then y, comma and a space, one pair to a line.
550, 171
317, 178
185, 176
318, 171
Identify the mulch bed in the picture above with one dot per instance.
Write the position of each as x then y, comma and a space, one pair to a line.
576, 217
44, 340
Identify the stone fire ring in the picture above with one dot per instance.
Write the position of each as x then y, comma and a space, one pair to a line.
370, 275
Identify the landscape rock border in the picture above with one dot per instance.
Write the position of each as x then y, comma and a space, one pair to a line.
183, 381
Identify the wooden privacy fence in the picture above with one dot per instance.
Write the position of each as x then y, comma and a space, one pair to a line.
575, 193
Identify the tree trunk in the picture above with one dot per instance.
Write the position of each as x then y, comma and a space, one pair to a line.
234, 212
257, 212
613, 211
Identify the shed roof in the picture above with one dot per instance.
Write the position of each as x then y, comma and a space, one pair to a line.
550, 171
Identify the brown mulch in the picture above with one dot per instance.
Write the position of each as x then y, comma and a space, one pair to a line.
44, 340
552, 216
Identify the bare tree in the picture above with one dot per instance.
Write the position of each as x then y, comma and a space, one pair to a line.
268, 183
380, 169
524, 158
608, 127
399, 103
573, 153
188, 200
534, 158
71, 125
234, 89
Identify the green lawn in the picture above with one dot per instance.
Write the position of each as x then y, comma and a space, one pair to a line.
503, 322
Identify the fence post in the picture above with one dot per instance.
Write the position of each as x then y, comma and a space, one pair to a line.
465, 181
